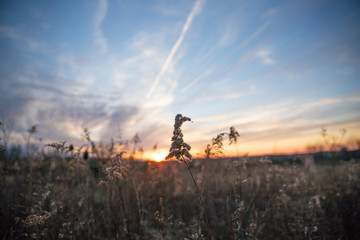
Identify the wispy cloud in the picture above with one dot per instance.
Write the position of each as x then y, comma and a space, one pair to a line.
270, 12
194, 11
204, 74
239, 63
100, 14
24, 41
264, 55
284, 113
9, 32
254, 35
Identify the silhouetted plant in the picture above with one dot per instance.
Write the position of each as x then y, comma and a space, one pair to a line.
180, 150
233, 136
31, 131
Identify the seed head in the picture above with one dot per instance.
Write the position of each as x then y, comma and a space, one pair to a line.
233, 135
179, 148
116, 168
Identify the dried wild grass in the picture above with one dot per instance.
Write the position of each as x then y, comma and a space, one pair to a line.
64, 196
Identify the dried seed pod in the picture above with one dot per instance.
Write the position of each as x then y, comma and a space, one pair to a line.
179, 148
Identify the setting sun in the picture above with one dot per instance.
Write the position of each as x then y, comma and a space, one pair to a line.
159, 156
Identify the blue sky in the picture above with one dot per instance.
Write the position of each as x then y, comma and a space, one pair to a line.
276, 70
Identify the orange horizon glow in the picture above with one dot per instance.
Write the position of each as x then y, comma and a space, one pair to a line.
289, 146
155, 156
246, 146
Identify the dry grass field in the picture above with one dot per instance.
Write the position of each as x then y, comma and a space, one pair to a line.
67, 195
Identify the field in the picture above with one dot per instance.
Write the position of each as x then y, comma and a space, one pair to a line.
57, 197
101, 193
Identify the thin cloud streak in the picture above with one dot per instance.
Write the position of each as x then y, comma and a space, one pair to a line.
207, 72
194, 11
100, 14
254, 35
281, 114
270, 12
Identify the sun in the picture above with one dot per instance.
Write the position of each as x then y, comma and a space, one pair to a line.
159, 156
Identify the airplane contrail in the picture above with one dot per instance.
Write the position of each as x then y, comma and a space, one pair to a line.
194, 11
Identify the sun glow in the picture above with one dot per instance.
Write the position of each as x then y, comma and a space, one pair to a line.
159, 156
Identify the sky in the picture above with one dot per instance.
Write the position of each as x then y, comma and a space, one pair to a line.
278, 71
